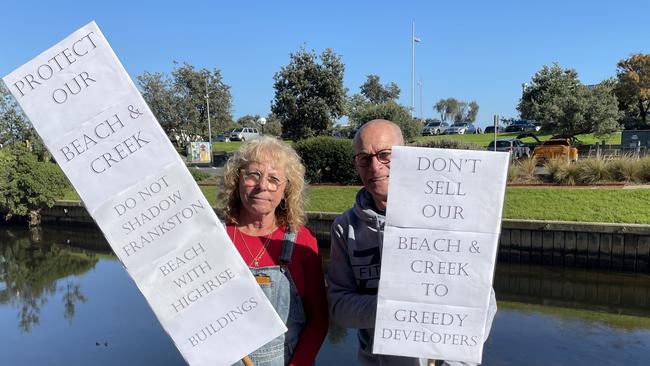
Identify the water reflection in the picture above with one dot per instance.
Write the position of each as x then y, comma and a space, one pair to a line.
31, 273
66, 300
612, 292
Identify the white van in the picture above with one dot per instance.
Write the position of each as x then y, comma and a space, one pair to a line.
243, 134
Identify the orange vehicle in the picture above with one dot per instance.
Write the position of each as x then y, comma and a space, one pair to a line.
557, 147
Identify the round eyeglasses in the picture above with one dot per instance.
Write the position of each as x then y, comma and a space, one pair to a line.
253, 178
363, 160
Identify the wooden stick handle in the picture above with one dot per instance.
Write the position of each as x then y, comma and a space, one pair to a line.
247, 361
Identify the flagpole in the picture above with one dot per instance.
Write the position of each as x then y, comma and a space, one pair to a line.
414, 39
412, 68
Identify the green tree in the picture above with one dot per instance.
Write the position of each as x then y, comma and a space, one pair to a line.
309, 96
179, 101
157, 91
273, 126
472, 111
26, 184
393, 112
355, 104
633, 89
13, 124
446, 108
7, 163
562, 104
602, 114
372, 93
15, 127
377, 93
248, 121
452, 109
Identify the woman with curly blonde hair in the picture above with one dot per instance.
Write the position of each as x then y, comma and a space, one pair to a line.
263, 193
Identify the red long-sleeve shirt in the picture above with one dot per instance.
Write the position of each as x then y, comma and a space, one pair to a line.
307, 273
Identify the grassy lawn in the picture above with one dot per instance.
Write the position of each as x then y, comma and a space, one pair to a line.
484, 139
331, 198
210, 193
537, 203
579, 204
226, 146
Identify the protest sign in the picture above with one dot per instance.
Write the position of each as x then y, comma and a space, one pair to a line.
101, 132
441, 234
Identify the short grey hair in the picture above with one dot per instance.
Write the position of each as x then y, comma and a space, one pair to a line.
396, 129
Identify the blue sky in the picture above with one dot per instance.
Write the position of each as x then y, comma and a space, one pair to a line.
470, 50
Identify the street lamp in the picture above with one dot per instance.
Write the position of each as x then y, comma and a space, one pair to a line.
207, 102
262, 122
414, 39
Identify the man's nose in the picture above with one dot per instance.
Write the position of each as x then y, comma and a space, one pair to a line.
375, 164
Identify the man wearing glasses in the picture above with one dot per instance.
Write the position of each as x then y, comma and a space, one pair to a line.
357, 236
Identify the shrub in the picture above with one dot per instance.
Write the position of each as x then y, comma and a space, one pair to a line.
28, 184
512, 173
626, 169
562, 172
592, 171
327, 160
644, 169
524, 171
199, 175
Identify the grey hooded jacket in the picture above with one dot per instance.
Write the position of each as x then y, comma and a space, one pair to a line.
353, 278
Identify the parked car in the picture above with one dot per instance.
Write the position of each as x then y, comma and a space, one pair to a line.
521, 126
221, 138
516, 148
557, 147
490, 129
243, 134
462, 128
434, 128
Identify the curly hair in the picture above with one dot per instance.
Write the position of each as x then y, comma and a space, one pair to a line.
290, 211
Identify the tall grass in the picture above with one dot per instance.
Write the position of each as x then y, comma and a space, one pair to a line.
562, 171
523, 172
592, 171
644, 169
627, 169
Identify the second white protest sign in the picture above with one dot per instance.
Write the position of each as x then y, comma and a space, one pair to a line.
440, 241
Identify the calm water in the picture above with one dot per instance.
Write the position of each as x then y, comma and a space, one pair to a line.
65, 300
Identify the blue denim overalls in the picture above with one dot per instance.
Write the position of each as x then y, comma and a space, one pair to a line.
279, 288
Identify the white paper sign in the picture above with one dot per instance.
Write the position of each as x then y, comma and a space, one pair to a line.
440, 243
110, 146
